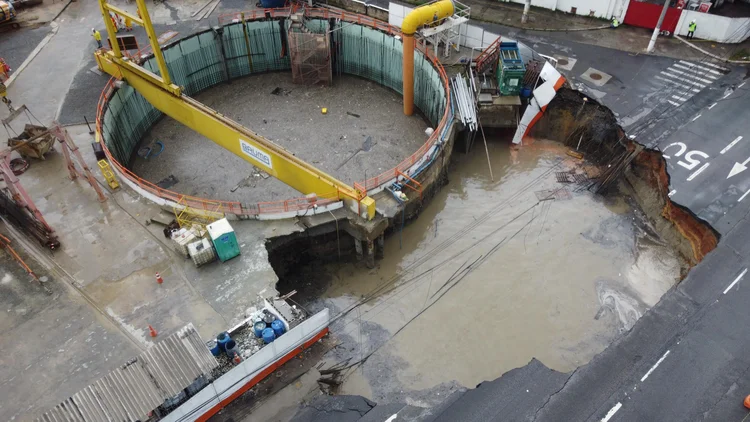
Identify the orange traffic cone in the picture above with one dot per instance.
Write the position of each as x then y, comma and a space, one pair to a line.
152, 331
159, 279
747, 402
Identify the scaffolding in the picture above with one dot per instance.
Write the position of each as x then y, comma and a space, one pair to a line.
448, 32
310, 53
188, 217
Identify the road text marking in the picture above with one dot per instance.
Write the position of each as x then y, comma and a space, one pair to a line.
736, 280
733, 143
612, 412
697, 172
696, 117
712, 106
658, 362
743, 196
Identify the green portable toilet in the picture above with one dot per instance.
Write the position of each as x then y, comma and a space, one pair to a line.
224, 240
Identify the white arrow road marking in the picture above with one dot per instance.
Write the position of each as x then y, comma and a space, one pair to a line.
739, 138
738, 168
612, 412
735, 281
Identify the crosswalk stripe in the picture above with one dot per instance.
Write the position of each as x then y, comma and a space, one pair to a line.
683, 80
673, 103
704, 74
688, 75
724, 69
704, 68
680, 98
678, 84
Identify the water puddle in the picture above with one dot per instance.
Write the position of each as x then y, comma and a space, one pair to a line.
490, 276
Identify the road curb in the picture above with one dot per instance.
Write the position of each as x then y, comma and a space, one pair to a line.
711, 54
33, 54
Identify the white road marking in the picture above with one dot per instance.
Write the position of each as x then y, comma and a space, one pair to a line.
738, 168
697, 172
743, 196
678, 84
704, 68
736, 279
689, 75
733, 143
682, 79
726, 95
696, 117
611, 412
712, 106
689, 69
741, 85
673, 103
392, 418
683, 99
672, 193
658, 362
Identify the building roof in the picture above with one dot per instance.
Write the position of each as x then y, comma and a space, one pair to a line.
142, 384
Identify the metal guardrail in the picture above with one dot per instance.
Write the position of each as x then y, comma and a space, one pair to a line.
294, 204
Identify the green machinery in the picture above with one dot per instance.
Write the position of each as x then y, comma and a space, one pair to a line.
510, 69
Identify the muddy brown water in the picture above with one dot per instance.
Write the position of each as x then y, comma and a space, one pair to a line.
489, 277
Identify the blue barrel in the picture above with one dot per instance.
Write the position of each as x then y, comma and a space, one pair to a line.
215, 349
258, 328
268, 335
230, 348
278, 327
526, 92
222, 339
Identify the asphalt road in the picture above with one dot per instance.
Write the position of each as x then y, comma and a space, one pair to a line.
706, 159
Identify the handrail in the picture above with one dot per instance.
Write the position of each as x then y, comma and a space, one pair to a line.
294, 204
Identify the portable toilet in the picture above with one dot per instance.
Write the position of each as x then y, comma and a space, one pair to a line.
511, 69
224, 240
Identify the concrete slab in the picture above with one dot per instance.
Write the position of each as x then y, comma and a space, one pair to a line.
596, 77
363, 134
565, 63
112, 257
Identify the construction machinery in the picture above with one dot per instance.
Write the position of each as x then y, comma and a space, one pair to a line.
166, 96
8, 15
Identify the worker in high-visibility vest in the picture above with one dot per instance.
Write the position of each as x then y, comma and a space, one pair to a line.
615, 23
691, 29
97, 36
128, 24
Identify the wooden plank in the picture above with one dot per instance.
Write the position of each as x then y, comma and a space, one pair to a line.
211, 10
201, 8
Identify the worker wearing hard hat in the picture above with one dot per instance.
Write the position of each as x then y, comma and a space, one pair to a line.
97, 36
691, 29
615, 23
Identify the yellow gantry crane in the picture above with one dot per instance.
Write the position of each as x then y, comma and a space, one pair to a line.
168, 98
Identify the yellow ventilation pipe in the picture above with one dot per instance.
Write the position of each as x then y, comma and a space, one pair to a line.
420, 16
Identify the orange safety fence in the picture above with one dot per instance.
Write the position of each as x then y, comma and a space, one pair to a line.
295, 204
